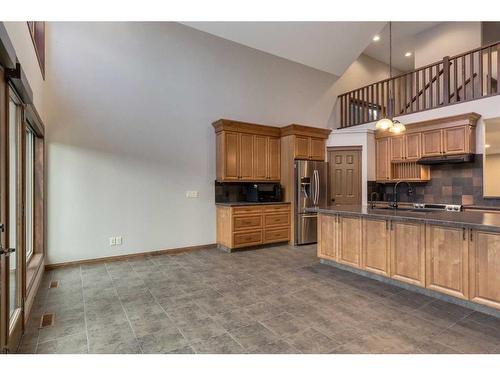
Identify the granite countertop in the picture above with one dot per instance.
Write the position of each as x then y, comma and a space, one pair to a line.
472, 219
230, 204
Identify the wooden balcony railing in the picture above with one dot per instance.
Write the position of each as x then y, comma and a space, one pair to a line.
468, 76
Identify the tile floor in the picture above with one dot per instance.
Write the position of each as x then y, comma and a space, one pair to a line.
274, 300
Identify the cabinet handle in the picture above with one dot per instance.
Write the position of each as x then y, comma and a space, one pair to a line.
463, 234
471, 236
387, 225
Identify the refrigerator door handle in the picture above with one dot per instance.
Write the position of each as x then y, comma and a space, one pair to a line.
316, 187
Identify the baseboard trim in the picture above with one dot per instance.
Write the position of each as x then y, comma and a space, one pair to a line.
116, 258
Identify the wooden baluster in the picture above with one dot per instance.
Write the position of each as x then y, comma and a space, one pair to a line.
431, 77
438, 85
489, 71
410, 103
455, 78
472, 74
342, 118
364, 105
498, 68
382, 101
372, 103
377, 102
481, 82
417, 89
424, 91
464, 88
446, 80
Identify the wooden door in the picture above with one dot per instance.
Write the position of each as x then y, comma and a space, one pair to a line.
261, 157
455, 140
327, 237
397, 148
349, 245
230, 154
447, 258
383, 164
412, 146
302, 147
274, 159
345, 176
246, 156
317, 149
484, 270
432, 144
376, 246
408, 252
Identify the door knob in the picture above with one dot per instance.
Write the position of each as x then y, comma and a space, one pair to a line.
6, 252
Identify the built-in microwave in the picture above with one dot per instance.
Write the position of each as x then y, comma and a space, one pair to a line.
265, 192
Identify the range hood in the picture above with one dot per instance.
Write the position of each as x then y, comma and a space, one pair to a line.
446, 159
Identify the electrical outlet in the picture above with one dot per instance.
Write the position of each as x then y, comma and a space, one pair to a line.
118, 240
192, 194
112, 241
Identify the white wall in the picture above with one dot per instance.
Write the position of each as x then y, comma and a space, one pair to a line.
446, 39
130, 107
21, 40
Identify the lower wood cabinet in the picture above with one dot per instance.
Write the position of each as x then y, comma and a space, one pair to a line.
242, 226
327, 237
349, 240
447, 257
484, 259
376, 252
408, 252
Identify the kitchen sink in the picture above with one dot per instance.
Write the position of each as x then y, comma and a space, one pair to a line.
407, 209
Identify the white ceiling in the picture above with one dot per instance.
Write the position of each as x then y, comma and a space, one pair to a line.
327, 46
404, 39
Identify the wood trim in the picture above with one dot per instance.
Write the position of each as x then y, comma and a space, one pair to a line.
344, 148
173, 251
245, 127
308, 131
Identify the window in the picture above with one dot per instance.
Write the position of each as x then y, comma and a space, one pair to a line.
30, 193
37, 31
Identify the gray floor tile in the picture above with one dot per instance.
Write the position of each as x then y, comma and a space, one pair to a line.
223, 344
252, 336
74, 344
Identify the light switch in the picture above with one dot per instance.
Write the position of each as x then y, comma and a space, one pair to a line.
112, 241
118, 240
192, 194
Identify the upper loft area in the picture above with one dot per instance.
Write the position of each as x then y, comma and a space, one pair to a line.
434, 64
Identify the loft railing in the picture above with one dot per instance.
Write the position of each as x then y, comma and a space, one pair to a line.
468, 76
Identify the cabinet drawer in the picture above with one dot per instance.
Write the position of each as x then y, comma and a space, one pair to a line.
277, 219
276, 235
247, 210
246, 222
246, 239
277, 208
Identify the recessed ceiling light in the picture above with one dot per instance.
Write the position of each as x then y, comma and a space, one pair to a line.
376, 38
407, 54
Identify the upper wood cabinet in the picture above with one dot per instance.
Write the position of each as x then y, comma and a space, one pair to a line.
447, 258
484, 258
308, 143
247, 152
397, 148
413, 146
383, 159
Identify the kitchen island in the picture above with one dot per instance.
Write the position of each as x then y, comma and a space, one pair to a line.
452, 254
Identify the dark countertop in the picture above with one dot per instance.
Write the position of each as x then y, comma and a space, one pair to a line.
231, 204
471, 219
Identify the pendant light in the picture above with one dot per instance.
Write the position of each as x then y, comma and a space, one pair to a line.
388, 122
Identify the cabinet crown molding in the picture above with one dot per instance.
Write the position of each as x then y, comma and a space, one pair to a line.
245, 127
438, 123
308, 131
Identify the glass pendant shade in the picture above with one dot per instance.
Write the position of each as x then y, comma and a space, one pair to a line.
384, 124
397, 127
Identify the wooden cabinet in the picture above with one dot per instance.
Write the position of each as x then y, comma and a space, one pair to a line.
383, 163
247, 152
432, 143
397, 148
242, 226
448, 141
447, 258
302, 148
413, 146
376, 246
317, 149
455, 140
327, 237
484, 272
349, 241
408, 252
309, 148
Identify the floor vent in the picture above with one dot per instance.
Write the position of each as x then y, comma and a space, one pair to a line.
54, 284
47, 320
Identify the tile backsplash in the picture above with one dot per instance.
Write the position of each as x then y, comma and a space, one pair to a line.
450, 183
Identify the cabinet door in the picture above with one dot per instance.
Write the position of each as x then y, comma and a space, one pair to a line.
317, 151
408, 252
261, 156
447, 260
376, 246
484, 270
397, 148
302, 147
327, 238
246, 156
274, 159
412, 146
231, 156
455, 140
383, 166
349, 245
432, 143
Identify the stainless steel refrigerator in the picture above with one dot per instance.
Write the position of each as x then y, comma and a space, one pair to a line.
310, 191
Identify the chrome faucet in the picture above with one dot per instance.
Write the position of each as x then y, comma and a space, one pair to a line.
372, 202
394, 203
